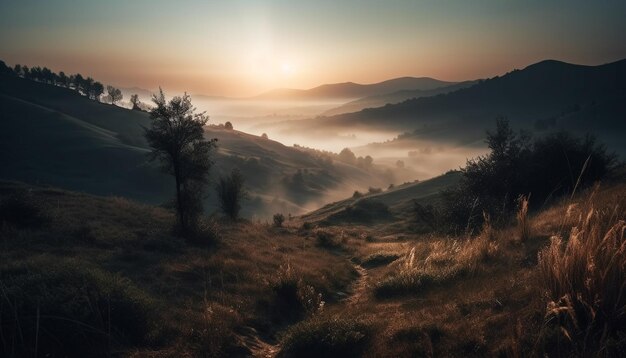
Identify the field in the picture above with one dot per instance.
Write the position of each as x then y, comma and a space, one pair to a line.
83, 264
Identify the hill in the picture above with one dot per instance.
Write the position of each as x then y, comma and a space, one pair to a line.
109, 270
350, 90
395, 97
51, 135
398, 200
543, 96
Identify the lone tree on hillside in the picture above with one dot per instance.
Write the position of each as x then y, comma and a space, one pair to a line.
134, 100
177, 141
228, 126
114, 94
231, 193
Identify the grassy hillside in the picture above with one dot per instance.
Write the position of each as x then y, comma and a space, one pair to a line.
399, 200
51, 135
248, 289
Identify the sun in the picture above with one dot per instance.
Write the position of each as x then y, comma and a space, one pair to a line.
286, 68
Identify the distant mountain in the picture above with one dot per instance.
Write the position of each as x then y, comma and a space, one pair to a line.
395, 97
543, 96
52, 135
350, 90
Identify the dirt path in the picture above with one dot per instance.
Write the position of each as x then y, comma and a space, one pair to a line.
260, 348
358, 289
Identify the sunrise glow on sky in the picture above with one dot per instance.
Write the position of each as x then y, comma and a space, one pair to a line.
241, 48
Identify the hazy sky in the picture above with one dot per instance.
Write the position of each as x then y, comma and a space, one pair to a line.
240, 48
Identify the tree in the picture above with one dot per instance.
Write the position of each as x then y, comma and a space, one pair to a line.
264, 136
177, 141
5, 70
63, 80
134, 100
231, 192
279, 218
96, 90
347, 156
114, 94
228, 126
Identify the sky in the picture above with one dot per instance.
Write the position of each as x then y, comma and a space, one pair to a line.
242, 48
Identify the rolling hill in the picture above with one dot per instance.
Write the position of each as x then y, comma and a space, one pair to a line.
53, 136
350, 90
395, 97
546, 95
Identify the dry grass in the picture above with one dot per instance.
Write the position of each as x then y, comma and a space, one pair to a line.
585, 281
441, 261
209, 291
523, 222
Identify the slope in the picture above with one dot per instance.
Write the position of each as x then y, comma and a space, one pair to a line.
395, 97
351, 90
51, 135
549, 92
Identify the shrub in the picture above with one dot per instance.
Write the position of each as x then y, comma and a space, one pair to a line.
279, 219
374, 190
22, 210
321, 337
294, 299
231, 192
585, 282
326, 239
70, 309
548, 167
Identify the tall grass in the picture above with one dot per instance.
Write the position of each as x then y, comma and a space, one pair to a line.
440, 262
584, 277
523, 223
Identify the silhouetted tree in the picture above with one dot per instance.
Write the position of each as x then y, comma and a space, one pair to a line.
97, 89
77, 81
114, 94
231, 193
134, 100
177, 141
17, 69
5, 70
228, 126
279, 218
264, 136
63, 80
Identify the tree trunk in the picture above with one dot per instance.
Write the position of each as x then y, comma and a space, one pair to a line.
179, 205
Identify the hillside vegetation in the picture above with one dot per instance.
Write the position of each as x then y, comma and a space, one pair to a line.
52, 135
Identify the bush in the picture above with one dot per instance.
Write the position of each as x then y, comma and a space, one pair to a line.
22, 210
326, 239
549, 167
279, 219
321, 337
71, 309
231, 192
293, 298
